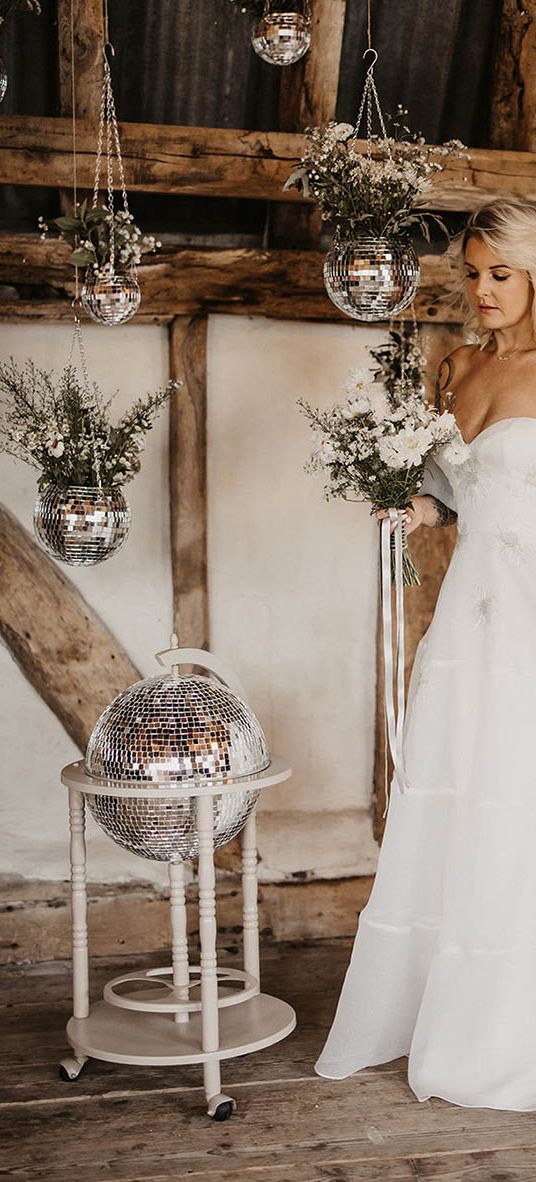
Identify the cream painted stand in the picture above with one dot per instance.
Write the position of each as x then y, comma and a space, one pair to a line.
183, 1014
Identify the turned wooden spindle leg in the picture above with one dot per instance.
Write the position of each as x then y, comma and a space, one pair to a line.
79, 904
179, 937
207, 933
250, 898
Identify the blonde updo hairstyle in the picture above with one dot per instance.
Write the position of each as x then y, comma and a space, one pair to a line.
508, 227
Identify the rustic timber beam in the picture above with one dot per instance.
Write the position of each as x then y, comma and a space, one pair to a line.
308, 97
58, 642
308, 94
81, 77
223, 162
513, 97
188, 483
37, 283
88, 21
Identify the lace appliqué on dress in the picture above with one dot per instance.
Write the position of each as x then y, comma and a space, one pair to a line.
471, 479
513, 545
484, 606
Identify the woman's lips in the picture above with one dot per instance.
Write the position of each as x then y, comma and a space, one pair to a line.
487, 308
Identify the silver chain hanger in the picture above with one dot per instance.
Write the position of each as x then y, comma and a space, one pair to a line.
77, 339
370, 96
78, 342
108, 121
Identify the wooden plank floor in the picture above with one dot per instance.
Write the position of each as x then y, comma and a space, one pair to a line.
130, 1124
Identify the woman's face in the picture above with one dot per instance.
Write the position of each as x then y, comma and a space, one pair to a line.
500, 295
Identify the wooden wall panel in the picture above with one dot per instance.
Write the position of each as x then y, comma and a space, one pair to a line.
188, 363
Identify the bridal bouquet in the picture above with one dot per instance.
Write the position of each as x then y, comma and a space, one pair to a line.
374, 447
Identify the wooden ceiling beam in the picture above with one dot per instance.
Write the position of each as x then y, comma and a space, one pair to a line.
222, 162
37, 283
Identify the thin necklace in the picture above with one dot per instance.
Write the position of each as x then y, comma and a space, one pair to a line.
520, 348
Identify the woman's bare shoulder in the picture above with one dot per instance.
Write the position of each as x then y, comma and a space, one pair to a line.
460, 357
456, 362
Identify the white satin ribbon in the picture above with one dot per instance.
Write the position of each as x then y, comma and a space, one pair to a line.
395, 720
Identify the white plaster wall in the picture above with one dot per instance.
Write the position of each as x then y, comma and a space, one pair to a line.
293, 586
132, 593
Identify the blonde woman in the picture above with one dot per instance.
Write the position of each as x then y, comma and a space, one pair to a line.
443, 968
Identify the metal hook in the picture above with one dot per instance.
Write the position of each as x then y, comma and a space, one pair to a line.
372, 64
107, 45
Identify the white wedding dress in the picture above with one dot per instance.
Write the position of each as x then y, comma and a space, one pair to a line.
443, 968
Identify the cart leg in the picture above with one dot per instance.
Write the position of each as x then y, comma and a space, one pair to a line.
220, 1106
249, 896
179, 936
71, 1067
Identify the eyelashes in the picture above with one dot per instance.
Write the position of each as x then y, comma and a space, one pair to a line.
497, 278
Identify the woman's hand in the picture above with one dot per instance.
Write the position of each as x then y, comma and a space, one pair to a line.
420, 511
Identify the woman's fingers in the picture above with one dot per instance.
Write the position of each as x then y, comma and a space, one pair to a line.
407, 518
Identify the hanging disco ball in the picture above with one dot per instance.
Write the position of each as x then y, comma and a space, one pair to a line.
3, 80
281, 38
112, 299
81, 525
167, 731
372, 277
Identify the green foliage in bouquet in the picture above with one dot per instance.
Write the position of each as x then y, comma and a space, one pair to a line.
89, 234
64, 430
376, 193
401, 359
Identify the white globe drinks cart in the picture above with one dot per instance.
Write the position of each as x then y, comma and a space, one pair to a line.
182, 759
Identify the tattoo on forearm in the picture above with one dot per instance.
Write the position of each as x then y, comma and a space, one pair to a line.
445, 516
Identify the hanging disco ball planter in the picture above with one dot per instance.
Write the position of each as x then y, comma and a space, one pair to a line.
3, 80
282, 38
112, 299
372, 277
170, 731
81, 525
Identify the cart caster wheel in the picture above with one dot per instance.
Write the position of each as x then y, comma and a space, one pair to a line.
221, 1107
70, 1069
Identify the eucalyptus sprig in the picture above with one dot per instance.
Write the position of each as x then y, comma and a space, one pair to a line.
88, 232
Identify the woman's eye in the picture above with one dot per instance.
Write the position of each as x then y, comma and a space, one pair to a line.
471, 274
501, 278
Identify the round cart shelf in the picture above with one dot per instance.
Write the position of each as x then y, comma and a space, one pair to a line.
186, 1013
126, 1036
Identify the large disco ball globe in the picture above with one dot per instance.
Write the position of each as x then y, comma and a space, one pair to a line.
281, 38
372, 277
170, 730
81, 525
112, 299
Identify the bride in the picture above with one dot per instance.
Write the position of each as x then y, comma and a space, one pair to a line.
443, 967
